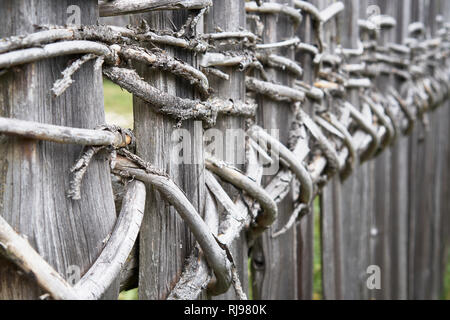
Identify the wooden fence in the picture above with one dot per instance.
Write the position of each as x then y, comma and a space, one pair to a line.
357, 92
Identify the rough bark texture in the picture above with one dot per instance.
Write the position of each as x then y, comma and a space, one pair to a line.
35, 174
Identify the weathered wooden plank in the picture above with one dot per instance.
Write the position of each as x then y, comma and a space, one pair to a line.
334, 284
274, 261
383, 177
346, 205
165, 240
35, 174
419, 196
399, 181
230, 16
305, 229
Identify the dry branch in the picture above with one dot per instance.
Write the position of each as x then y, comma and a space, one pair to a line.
14, 58
19, 251
286, 43
123, 7
366, 127
215, 255
324, 145
178, 108
233, 176
328, 13
274, 8
61, 134
61, 85
306, 185
273, 60
108, 265
274, 91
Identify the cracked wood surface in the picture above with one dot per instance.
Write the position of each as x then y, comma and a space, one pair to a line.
35, 174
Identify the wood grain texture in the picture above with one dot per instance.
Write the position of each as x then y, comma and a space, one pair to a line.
35, 174
274, 261
230, 16
305, 228
381, 226
165, 240
399, 181
346, 205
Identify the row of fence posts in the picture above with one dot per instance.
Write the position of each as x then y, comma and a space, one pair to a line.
392, 212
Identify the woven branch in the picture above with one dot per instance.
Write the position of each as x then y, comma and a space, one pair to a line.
214, 254
123, 7
178, 108
271, 8
61, 134
107, 267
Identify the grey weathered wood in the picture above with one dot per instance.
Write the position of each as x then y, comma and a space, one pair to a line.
229, 16
118, 246
121, 7
274, 261
399, 182
417, 198
35, 174
165, 240
305, 228
381, 226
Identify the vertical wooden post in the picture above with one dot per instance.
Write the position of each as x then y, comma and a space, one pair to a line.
421, 151
399, 182
35, 174
434, 163
165, 240
305, 229
383, 178
445, 190
274, 264
346, 204
230, 16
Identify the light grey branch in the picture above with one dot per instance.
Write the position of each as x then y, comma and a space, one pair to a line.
33, 39
328, 13
18, 250
214, 254
194, 44
14, 58
309, 8
230, 35
123, 7
62, 84
178, 108
233, 176
306, 185
271, 8
328, 150
60, 134
286, 43
273, 60
162, 61
274, 91
108, 265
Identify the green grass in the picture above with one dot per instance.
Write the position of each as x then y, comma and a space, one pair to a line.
317, 266
446, 294
118, 105
129, 294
